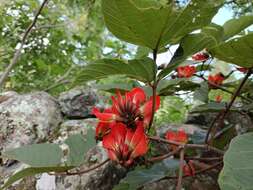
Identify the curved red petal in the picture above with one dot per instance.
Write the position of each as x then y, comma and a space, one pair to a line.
138, 134
112, 155
141, 148
102, 129
129, 136
103, 116
182, 136
170, 135
137, 95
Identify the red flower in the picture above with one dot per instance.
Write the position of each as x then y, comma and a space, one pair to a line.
201, 56
189, 169
124, 144
103, 128
218, 98
186, 71
129, 109
216, 80
242, 69
178, 136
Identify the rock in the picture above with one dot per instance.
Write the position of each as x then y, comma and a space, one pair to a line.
241, 122
25, 119
78, 102
102, 178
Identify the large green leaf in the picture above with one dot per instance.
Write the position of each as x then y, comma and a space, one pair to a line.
237, 172
148, 23
37, 155
139, 176
238, 51
78, 146
235, 26
141, 69
31, 172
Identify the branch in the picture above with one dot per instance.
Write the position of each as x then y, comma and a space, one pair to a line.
154, 86
67, 173
223, 89
17, 54
221, 116
180, 174
162, 157
197, 146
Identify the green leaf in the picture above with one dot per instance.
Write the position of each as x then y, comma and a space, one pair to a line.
214, 30
235, 26
201, 93
238, 51
237, 172
153, 25
140, 69
139, 176
78, 146
142, 52
112, 87
37, 155
31, 172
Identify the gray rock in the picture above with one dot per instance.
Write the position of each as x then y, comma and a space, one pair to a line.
102, 178
241, 122
25, 119
78, 102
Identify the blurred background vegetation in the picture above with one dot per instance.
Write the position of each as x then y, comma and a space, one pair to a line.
69, 34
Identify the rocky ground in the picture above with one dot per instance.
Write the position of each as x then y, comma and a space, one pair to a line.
38, 117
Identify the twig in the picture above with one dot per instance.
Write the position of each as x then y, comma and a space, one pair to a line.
198, 146
223, 114
67, 173
180, 174
223, 89
162, 157
23, 41
154, 86
204, 159
196, 173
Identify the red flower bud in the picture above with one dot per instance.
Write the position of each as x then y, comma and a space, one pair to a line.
186, 71
201, 56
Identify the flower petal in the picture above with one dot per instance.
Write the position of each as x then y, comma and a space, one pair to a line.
102, 129
136, 95
141, 148
103, 116
138, 134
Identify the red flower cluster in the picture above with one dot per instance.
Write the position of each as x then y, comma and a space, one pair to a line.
216, 80
186, 71
178, 136
202, 56
124, 144
121, 127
